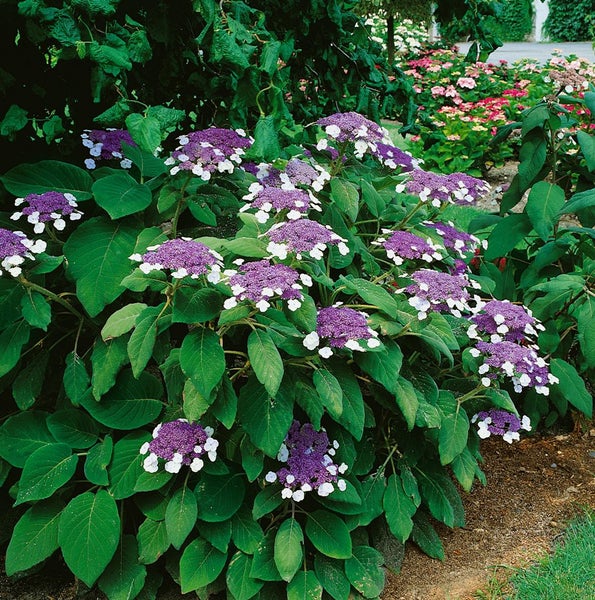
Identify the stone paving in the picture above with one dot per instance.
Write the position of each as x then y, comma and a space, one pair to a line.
542, 51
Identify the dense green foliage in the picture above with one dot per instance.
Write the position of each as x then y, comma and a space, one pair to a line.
198, 63
570, 21
514, 20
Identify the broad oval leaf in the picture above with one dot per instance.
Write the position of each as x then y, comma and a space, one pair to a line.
120, 195
452, 437
239, 581
364, 571
89, 533
266, 360
122, 321
73, 427
22, 434
126, 466
328, 534
202, 359
219, 497
180, 516
124, 577
288, 552
200, 565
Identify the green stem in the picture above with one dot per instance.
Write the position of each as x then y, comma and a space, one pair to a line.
472, 394
58, 299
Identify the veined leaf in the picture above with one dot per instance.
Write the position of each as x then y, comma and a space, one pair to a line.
288, 550
124, 577
328, 534
200, 565
180, 516
120, 195
202, 359
266, 360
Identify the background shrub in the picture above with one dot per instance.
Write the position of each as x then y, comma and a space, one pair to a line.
570, 21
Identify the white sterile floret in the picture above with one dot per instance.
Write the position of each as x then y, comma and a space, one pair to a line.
270, 477
293, 304
150, 463
325, 489
311, 341
332, 130
325, 352
298, 495
342, 485
283, 453
196, 465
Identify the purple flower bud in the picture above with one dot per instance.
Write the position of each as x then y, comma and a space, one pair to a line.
209, 151
49, 207
500, 422
520, 364
179, 443
261, 281
406, 245
15, 247
303, 236
106, 144
310, 466
184, 257
342, 327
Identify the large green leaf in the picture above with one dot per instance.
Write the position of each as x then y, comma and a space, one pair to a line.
122, 321
509, 232
36, 310
89, 534
266, 360
383, 366
352, 417
107, 359
202, 359
142, 340
346, 196
219, 496
125, 466
200, 565
124, 577
153, 541
29, 383
407, 400
98, 458
97, 253
180, 516
21, 435
76, 380
130, 404
452, 437
246, 533
331, 574
288, 551
304, 586
120, 195
328, 534
73, 427
572, 386
442, 498
263, 564
425, 536
543, 204
48, 175
264, 419
12, 339
364, 571
372, 294
34, 537
330, 392
192, 305
399, 508
239, 581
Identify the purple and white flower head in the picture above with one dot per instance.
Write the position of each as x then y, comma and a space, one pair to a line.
184, 257
106, 144
439, 189
503, 320
441, 292
301, 173
294, 203
261, 281
15, 247
303, 237
49, 207
355, 128
341, 327
310, 465
209, 151
453, 239
521, 364
395, 158
400, 245
179, 443
500, 422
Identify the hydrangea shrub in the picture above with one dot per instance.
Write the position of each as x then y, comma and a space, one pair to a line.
241, 393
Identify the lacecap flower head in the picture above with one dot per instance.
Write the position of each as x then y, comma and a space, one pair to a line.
297, 174
303, 237
401, 245
15, 247
500, 422
454, 239
341, 327
184, 257
261, 281
106, 144
269, 201
521, 364
208, 151
310, 465
49, 207
179, 443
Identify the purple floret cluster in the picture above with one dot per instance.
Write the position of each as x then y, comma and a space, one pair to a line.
179, 443
49, 207
106, 144
310, 465
460, 242
401, 245
293, 203
500, 422
15, 247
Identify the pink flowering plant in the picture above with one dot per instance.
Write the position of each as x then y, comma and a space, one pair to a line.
248, 375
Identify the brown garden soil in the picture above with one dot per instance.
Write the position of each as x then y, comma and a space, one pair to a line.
533, 488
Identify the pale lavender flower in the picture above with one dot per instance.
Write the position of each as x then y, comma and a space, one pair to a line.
436, 188
179, 443
106, 144
261, 281
341, 327
303, 237
298, 173
454, 239
49, 207
520, 364
406, 245
310, 465
184, 257
500, 422
438, 291
393, 157
277, 200
355, 128
503, 320
209, 151
15, 247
